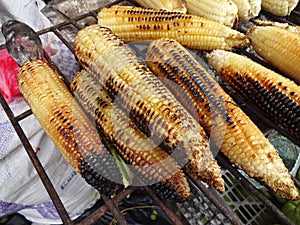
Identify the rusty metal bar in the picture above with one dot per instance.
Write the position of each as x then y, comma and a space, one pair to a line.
268, 203
23, 115
220, 205
49, 60
113, 208
37, 164
58, 34
103, 209
169, 212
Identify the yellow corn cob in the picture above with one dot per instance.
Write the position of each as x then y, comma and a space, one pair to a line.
138, 24
279, 7
247, 9
67, 126
174, 5
154, 166
222, 11
279, 46
148, 102
277, 96
242, 142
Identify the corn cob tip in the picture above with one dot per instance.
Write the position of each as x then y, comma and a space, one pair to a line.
176, 187
215, 179
210, 174
285, 189
215, 58
237, 39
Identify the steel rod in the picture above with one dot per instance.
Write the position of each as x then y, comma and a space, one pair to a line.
113, 208
103, 209
23, 115
169, 212
220, 205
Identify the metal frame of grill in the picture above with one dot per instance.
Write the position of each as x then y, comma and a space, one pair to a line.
111, 204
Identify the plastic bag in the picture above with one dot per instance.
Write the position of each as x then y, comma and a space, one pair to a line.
8, 76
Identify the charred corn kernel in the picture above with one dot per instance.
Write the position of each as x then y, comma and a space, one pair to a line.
151, 164
222, 11
248, 9
174, 5
148, 102
279, 7
138, 24
279, 46
276, 95
67, 126
239, 139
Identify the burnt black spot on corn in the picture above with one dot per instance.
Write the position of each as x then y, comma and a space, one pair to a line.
277, 96
236, 135
67, 126
151, 164
140, 24
142, 95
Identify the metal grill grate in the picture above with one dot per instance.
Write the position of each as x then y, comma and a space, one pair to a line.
242, 203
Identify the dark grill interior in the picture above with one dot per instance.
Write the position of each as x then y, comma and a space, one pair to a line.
242, 202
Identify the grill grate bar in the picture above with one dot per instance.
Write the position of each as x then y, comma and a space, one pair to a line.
220, 205
103, 209
58, 34
114, 209
169, 212
49, 60
23, 115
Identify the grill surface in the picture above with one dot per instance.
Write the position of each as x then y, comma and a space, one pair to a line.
242, 202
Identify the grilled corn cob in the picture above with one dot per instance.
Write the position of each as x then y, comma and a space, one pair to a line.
279, 7
67, 126
222, 11
174, 5
241, 141
138, 24
248, 9
148, 102
268, 42
276, 95
154, 166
